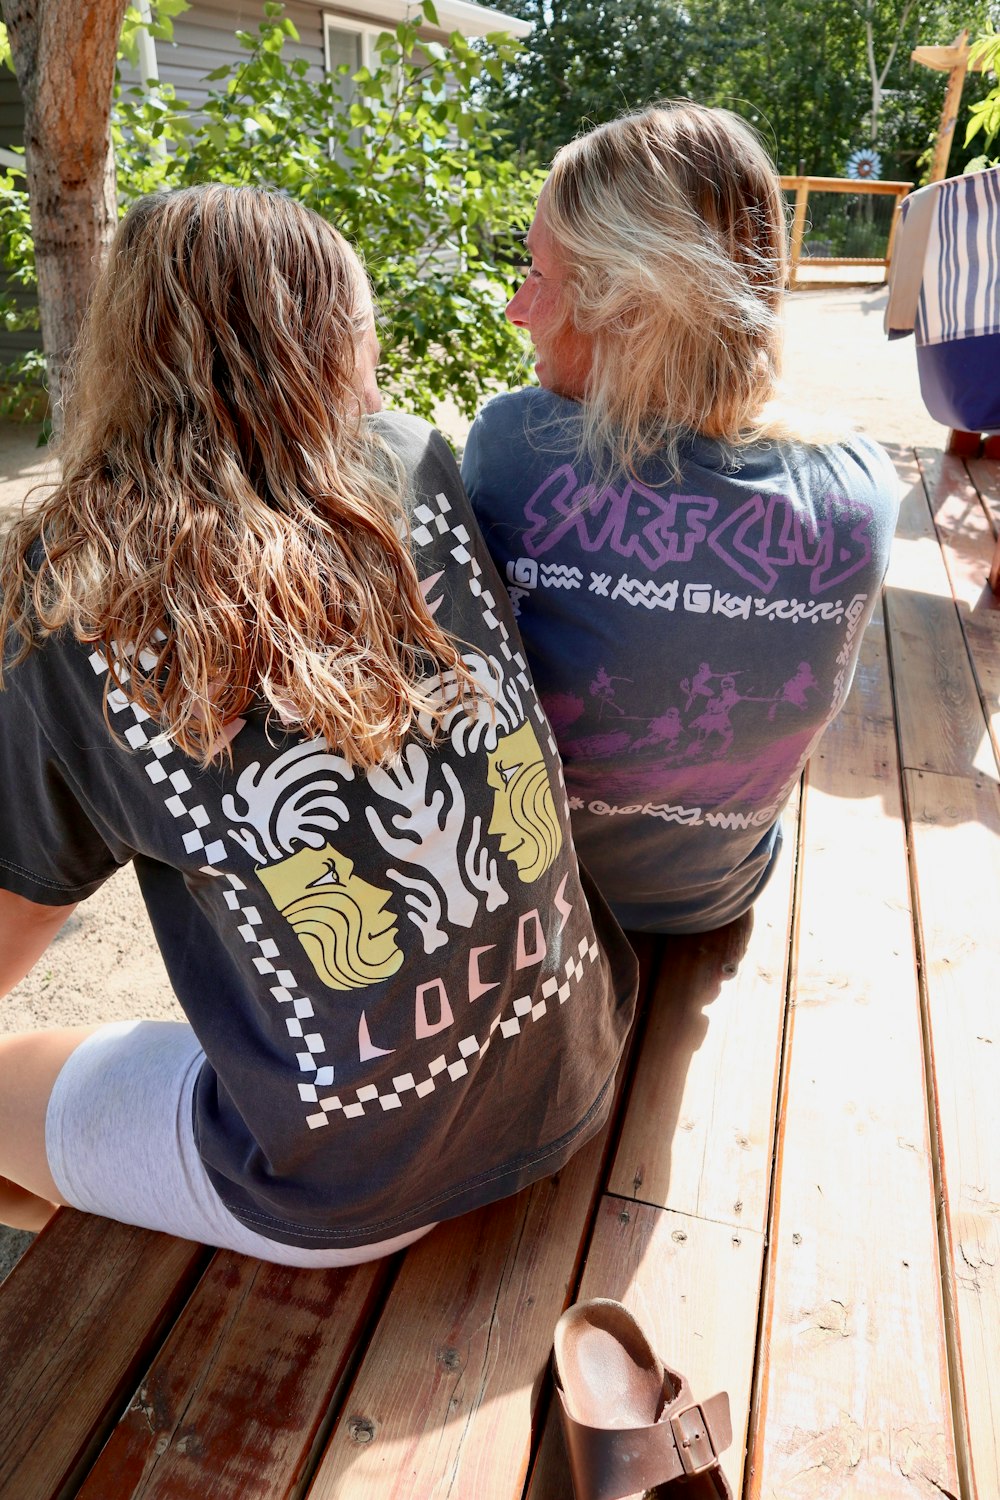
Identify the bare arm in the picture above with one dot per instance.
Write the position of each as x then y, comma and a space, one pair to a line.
26, 930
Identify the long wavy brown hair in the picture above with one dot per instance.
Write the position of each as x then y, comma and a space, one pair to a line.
228, 525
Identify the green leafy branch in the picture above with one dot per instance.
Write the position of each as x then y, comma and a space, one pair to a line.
984, 115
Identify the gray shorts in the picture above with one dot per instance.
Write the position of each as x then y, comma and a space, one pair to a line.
120, 1143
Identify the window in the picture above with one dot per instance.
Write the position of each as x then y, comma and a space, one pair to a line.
345, 41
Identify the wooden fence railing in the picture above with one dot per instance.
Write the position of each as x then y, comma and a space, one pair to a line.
803, 186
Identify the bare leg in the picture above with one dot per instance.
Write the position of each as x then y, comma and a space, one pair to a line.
30, 1063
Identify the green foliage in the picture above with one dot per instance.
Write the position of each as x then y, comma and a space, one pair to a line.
160, 26
20, 379
848, 225
587, 61
403, 158
984, 115
796, 69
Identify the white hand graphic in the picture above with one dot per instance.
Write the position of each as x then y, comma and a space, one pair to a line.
481, 868
423, 907
426, 833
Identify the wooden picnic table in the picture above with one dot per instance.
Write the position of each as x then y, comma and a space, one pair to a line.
798, 1194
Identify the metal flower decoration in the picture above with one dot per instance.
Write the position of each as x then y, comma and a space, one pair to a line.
864, 165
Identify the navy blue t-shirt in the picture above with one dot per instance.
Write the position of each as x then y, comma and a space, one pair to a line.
690, 639
408, 1004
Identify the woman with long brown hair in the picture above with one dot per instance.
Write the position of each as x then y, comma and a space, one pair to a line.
252, 643
692, 564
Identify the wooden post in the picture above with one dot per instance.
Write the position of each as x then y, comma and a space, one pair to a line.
954, 61
892, 232
798, 228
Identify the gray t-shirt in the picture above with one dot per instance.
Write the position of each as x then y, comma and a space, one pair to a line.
408, 1004
690, 640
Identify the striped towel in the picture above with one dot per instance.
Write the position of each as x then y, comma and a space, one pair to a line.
944, 280
960, 289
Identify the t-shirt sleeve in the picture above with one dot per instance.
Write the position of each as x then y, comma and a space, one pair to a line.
470, 461
51, 850
483, 478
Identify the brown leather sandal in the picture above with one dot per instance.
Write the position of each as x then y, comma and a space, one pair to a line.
629, 1421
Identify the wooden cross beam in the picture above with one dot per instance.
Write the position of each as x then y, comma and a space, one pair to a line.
954, 61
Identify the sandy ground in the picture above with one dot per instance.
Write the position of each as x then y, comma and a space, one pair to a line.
104, 965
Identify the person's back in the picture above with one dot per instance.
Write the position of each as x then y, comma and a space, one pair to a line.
692, 577
323, 753
690, 638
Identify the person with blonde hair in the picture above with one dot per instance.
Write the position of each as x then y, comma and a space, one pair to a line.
691, 566
254, 645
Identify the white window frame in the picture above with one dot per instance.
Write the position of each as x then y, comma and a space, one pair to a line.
367, 34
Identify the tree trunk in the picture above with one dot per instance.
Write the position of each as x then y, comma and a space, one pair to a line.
64, 56
878, 78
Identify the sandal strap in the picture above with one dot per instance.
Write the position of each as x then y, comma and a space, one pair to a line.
686, 1440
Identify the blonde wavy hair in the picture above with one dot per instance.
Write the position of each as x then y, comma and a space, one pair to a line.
672, 229
228, 527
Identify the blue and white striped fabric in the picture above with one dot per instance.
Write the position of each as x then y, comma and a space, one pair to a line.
944, 287
960, 286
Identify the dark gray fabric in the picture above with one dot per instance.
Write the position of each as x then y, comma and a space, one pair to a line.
404, 1006
690, 639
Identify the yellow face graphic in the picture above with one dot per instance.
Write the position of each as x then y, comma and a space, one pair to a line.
524, 813
340, 920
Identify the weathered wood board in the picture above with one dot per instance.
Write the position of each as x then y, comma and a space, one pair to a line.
967, 546
955, 829
80, 1315
445, 1398
238, 1399
853, 1393
698, 1133
693, 1286
985, 475
937, 702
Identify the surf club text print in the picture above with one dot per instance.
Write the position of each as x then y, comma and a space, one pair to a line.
757, 539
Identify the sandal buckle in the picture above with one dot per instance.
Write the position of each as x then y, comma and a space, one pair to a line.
694, 1443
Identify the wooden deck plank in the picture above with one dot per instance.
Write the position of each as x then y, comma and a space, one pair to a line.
967, 545
955, 830
445, 1399
985, 475
694, 1287
80, 1315
939, 712
236, 1402
964, 533
698, 1132
853, 1401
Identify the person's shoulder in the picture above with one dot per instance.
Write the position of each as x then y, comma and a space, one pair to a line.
408, 436
866, 452
521, 408
423, 451
863, 467
528, 398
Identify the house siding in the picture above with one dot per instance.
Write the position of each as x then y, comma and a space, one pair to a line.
205, 39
